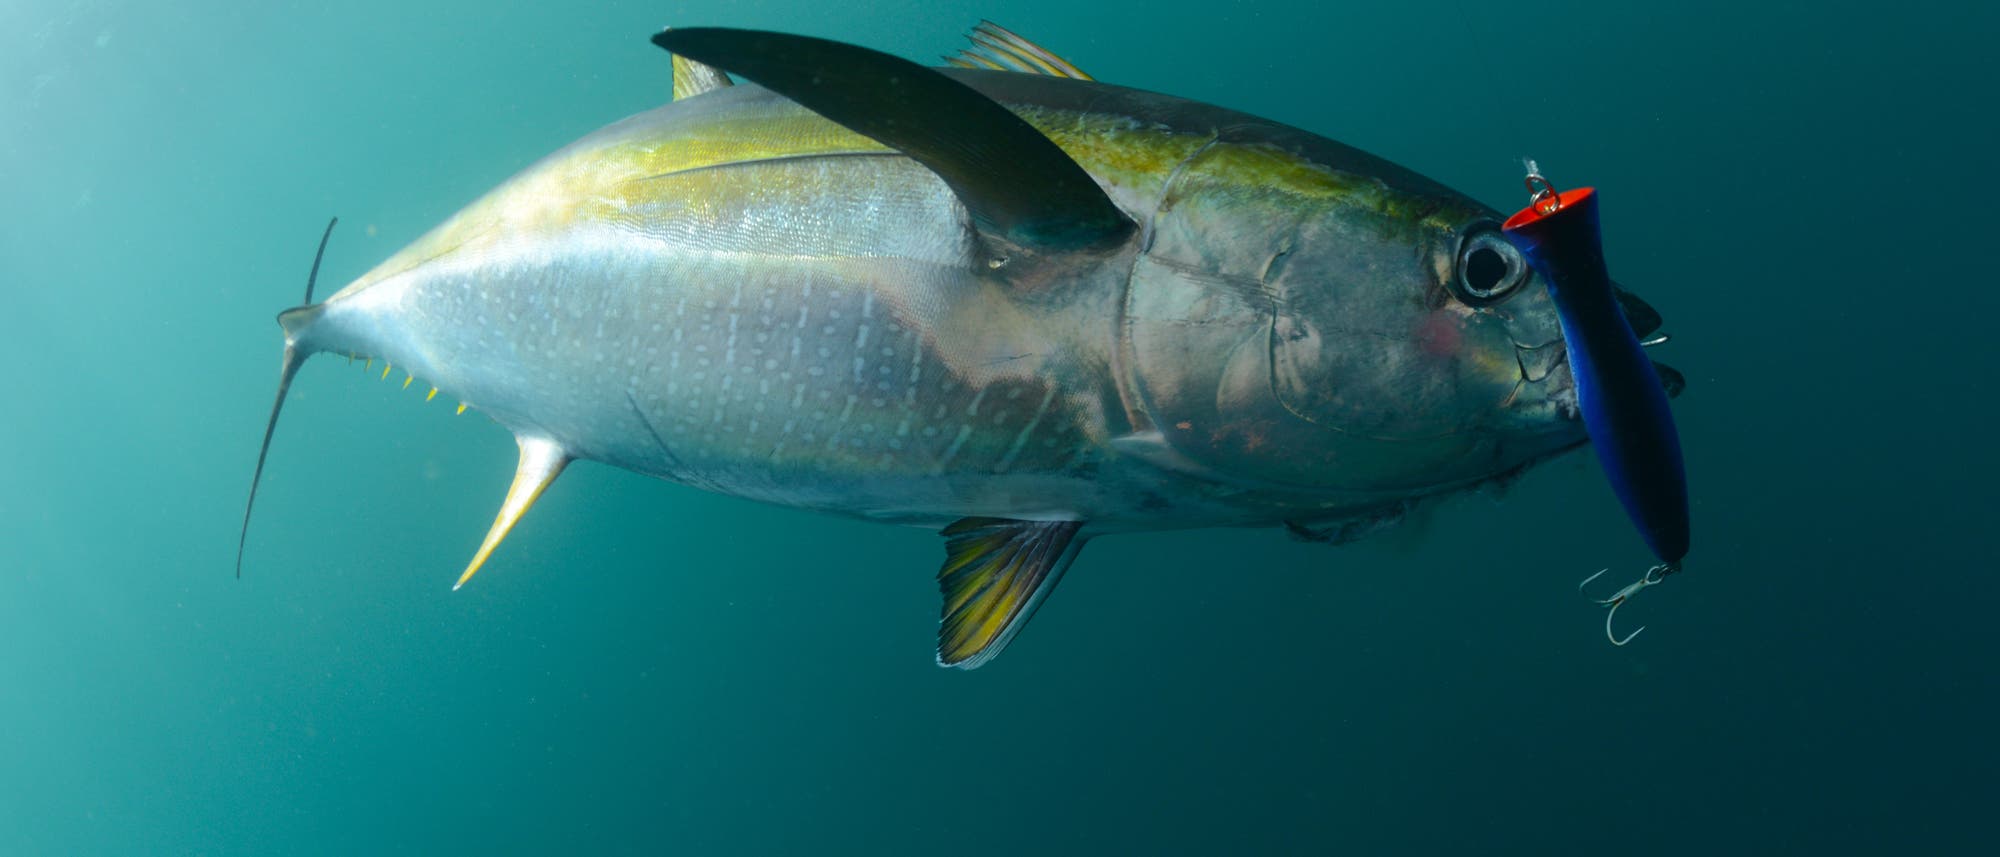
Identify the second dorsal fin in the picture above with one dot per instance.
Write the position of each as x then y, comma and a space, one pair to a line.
999, 48
1017, 184
693, 78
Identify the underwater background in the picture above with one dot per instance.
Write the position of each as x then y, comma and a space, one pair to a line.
1804, 190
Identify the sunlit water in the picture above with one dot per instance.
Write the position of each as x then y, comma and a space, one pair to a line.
1801, 189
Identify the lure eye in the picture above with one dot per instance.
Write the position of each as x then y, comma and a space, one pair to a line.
1489, 269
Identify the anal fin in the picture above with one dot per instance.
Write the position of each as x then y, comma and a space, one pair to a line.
996, 573
541, 462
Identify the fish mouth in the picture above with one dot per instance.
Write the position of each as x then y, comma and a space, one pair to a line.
1539, 362
1546, 366
1545, 391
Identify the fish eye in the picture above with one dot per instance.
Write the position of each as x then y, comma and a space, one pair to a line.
1489, 269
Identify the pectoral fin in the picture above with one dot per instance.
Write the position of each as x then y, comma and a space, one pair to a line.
1016, 183
541, 462
996, 573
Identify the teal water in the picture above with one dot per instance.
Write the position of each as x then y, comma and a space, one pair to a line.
1802, 189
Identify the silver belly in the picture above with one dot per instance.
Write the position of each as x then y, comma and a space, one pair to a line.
861, 368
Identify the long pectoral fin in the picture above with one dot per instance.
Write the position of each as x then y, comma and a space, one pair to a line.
996, 573
1016, 183
541, 462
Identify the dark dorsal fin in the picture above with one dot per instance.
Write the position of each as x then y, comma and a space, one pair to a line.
1016, 183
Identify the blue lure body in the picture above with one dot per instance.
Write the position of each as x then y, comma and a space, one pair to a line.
1623, 403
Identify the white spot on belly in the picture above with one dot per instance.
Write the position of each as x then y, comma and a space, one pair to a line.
1021, 440
951, 452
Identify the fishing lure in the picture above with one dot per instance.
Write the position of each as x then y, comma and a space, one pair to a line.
1623, 401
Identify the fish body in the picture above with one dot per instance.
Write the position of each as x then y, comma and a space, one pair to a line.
735, 292
732, 292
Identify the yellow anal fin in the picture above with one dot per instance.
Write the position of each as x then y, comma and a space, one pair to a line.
997, 47
541, 462
996, 573
693, 78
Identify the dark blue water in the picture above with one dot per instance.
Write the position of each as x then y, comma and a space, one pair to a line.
1803, 190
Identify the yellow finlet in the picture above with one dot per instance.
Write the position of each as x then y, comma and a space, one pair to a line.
431, 395
461, 408
541, 462
386, 366
368, 365
407, 379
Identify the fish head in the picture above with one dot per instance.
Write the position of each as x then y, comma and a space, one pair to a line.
1359, 340
1422, 355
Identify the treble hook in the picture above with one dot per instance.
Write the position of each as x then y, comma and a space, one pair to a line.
1653, 577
